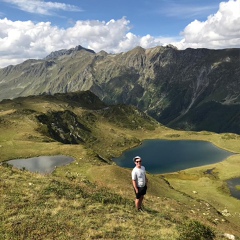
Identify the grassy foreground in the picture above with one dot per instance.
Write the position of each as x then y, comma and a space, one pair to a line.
92, 199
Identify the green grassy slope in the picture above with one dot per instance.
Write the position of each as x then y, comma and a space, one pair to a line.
92, 198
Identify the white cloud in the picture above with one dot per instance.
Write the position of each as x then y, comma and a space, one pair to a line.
41, 7
21, 40
221, 30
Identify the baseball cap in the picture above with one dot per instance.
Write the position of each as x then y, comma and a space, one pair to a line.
137, 157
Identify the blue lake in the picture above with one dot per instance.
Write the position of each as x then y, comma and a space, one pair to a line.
42, 164
165, 156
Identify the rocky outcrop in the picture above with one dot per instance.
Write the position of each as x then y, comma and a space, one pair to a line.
65, 127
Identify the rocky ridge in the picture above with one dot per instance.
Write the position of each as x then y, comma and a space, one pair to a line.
188, 89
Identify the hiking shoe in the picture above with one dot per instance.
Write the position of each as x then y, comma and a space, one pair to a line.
140, 210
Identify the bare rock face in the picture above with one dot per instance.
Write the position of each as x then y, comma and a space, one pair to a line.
188, 89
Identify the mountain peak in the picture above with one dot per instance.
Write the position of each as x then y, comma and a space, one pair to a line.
56, 54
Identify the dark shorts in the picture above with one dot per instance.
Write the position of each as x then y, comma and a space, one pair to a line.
141, 192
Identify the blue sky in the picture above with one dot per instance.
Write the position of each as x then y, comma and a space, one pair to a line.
35, 28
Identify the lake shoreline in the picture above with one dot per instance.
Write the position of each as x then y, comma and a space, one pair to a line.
160, 159
41, 164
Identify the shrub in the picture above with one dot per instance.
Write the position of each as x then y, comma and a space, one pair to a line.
194, 230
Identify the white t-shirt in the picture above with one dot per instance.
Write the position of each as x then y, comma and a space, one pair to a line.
139, 175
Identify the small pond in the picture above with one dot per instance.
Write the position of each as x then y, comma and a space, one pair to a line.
165, 156
234, 187
42, 164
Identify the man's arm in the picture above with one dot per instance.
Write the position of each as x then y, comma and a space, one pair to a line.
134, 182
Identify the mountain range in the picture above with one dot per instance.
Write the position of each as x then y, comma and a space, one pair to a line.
192, 89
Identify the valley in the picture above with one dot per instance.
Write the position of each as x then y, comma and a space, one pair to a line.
92, 198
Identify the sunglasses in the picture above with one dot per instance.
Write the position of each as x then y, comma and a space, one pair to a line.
138, 161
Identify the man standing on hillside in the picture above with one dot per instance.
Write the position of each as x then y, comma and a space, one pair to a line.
139, 181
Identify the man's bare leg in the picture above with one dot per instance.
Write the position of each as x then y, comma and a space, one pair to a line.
138, 202
141, 200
